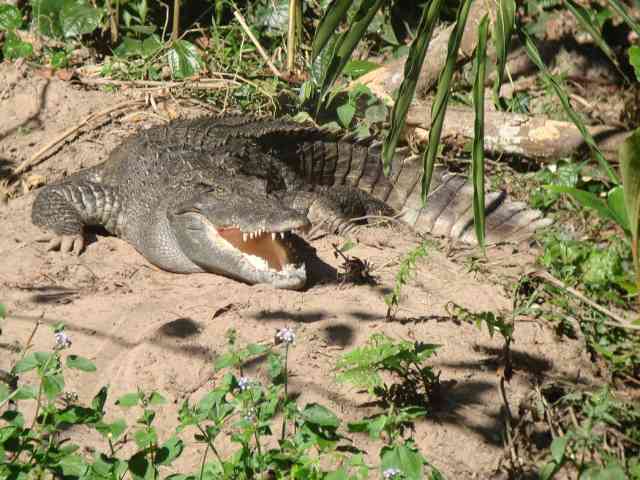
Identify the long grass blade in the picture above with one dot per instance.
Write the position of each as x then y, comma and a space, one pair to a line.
329, 23
346, 42
630, 168
622, 11
502, 31
477, 165
412, 68
442, 97
534, 55
584, 19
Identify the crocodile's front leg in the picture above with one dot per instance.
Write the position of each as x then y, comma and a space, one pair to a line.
332, 209
65, 209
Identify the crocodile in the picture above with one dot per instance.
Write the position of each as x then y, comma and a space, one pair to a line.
228, 194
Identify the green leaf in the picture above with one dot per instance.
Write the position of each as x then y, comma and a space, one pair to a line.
548, 471
329, 23
615, 202
442, 97
586, 199
184, 59
115, 429
99, 400
151, 45
376, 114
73, 466
412, 68
145, 438
534, 55
345, 43
477, 165
46, 16
10, 17
558, 447
130, 47
128, 400
320, 415
80, 363
634, 59
502, 31
345, 114
3, 311
140, 467
26, 364
25, 392
77, 19
403, 458
53, 385
630, 168
15, 48
169, 451
157, 399
357, 68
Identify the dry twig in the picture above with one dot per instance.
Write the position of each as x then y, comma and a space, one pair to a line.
261, 50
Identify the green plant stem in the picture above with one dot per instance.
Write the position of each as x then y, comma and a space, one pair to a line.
204, 459
291, 35
210, 443
176, 20
286, 389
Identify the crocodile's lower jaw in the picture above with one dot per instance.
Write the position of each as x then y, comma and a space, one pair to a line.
260, 258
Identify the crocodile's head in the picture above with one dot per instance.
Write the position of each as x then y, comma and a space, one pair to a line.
236, 230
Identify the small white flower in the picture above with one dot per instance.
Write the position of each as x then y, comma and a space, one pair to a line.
250, 416
390, 473
62, 340
285, 335
243, 383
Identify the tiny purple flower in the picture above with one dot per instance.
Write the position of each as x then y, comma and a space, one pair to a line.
285, 335
243, 383
391, 473
62, 340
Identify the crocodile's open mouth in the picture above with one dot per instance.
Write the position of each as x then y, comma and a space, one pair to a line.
264, 250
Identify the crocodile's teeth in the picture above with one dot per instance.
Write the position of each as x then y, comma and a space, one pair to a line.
281, 234
244, 237
273, 236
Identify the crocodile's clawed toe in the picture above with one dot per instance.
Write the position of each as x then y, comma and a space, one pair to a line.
73, 244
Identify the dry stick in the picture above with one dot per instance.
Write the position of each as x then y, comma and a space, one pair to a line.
205, 84
30, 162
622, 322
261, 51
291, 35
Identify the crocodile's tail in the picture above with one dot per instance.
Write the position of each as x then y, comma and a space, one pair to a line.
449, 208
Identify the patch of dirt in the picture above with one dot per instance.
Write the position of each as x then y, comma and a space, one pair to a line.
155, 330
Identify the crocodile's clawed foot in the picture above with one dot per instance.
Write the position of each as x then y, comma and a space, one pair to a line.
73, 244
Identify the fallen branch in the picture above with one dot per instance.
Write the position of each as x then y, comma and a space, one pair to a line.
204, 84
530, 136
34, 160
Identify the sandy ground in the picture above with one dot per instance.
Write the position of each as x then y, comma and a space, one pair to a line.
151, 329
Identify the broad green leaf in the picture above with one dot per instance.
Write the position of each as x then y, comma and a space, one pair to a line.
145, 438
27, 363
10, 17
46, 16
169, 451
73, 466
477, 164
412, 68
340, 52
357, 68
99, 400
53, 385
345, 114
534, 55
502, 31
320, 415
184, 59
80, 363
128, 400
129, 47
115, 429
558, 447
25, 392
15, 48
329, 23
441, 100
77, 19
151, 45
157, 399
630, 168
140, 467
587, 23
586, 199
403, 458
